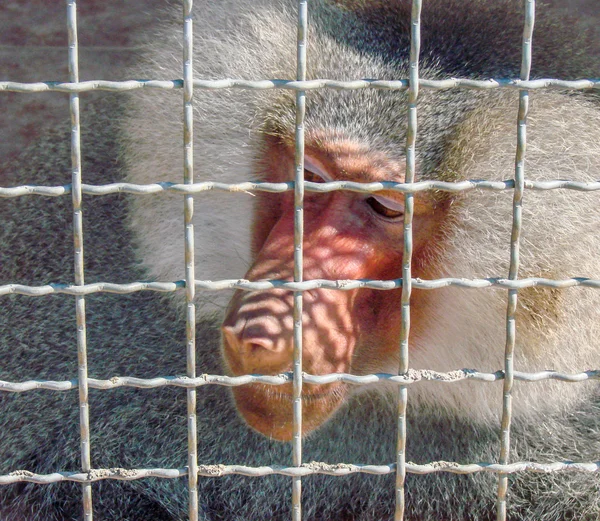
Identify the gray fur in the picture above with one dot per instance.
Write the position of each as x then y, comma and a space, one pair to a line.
461, 134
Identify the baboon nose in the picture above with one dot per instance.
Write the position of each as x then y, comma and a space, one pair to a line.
257, 345
247, 342
252, 350
257, 335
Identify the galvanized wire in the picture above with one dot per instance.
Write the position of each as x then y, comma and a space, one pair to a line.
191, 382
413, 376
301, 43
400, 84
249, 186
411, 138
307, 469
511, 308
342, 285
190, 262
76, 196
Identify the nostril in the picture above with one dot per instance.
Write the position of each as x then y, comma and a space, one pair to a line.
255, 346
248, 341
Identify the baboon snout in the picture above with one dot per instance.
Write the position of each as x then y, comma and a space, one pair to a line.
257, 334
258, 339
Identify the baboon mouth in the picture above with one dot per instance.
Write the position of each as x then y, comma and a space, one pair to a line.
325, 395
268, 409
316, 392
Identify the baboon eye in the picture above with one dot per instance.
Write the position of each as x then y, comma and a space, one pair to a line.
388, 208
312, 177
315, 171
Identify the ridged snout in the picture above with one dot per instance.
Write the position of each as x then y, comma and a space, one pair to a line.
257, 333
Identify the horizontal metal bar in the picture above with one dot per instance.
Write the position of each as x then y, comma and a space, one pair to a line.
307, 285
87, 289
306, 469
402, 84
247, 187
411, 377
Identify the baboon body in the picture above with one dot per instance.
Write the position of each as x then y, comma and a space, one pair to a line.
462, 135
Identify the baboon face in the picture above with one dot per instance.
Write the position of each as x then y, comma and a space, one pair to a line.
346, 236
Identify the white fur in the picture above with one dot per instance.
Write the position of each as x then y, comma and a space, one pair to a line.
467, 327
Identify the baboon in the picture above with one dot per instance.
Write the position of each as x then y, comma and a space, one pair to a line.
351, 135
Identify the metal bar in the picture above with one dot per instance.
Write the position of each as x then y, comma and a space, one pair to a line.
247, 186
76, 195
298, 255
308, 469
411, 137
511, 308
322, 83
412, 377
190, 288
307, 285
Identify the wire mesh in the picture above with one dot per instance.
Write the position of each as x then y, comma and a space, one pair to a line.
511, 308
192, 381
84, 413
298, 256
411, 140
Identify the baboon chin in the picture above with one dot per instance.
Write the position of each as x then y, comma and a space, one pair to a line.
350, 135
268, 410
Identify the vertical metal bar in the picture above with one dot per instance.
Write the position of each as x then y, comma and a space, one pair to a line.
298, 256
190, 289
411, 137
82, 369
511, 307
